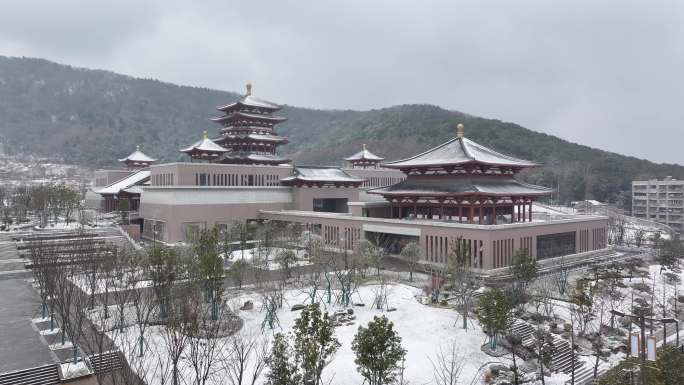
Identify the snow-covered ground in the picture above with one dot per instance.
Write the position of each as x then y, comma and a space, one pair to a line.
423, 329
266, 258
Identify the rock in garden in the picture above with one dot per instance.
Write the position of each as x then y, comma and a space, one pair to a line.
249, 305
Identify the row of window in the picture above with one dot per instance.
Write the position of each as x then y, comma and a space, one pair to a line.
165, 179
347, 237
377, 181
502, 252
206, 179
438, 249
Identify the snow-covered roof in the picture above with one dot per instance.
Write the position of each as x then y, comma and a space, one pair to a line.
588, 201
129, 181
462, 186
254, 137
364, 154
250, 101
205, 145
257, 158
241, 114
137, 156
458, 151
321, 175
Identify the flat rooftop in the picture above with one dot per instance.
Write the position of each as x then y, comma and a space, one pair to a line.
557, 219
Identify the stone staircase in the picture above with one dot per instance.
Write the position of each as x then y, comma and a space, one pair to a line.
525, 331
562, 357
41, 375
585, 375
106, 362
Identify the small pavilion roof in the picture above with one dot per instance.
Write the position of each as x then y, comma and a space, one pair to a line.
459, 151
135, 179
462, 186
205, 145
313, 174
137, 156
250, 101
364, 154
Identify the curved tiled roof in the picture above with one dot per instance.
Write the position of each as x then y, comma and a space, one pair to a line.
462, 186
204, 145
137, 156
322, 174
459, 151
246, 115
134, 179
364, 155
250, 101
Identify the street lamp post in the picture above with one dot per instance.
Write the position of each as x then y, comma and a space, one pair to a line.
642, 354
666, 321
642, 325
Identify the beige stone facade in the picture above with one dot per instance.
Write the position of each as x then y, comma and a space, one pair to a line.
491, 246
184, 197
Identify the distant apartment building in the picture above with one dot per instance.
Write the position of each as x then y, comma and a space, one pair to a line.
659, 200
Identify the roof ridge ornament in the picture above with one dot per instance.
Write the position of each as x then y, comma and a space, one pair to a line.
460, 130
204, 134
137, 147
249, 89
364, 147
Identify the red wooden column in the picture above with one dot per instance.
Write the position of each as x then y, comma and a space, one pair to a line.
479, 211
530, 218
460, 213
494, 213
472, 213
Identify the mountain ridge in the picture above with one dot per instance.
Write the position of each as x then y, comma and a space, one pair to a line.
93, 117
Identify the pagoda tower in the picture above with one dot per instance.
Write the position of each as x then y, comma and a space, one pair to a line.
249, 131
137, 159
205, 150
364, 159
462, 181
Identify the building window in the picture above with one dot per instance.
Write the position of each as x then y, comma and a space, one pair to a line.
556, 245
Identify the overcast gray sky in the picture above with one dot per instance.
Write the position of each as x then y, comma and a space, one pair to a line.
608, 74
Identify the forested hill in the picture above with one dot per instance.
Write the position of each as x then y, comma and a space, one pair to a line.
93, 117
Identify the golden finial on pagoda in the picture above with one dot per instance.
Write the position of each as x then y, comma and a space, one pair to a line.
364, 147
137, 147
204, 134
459, 130
249, 89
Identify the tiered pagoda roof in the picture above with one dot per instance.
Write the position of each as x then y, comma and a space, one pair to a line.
312, 176
461, 155
249, 131
364, 158
462, 186
462, 175
137, 159
205, 149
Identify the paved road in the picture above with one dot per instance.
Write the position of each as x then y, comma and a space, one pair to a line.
21, 345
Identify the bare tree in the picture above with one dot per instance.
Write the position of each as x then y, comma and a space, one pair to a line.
180, 324
247, 359
462, 277
206, 343
447, 364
